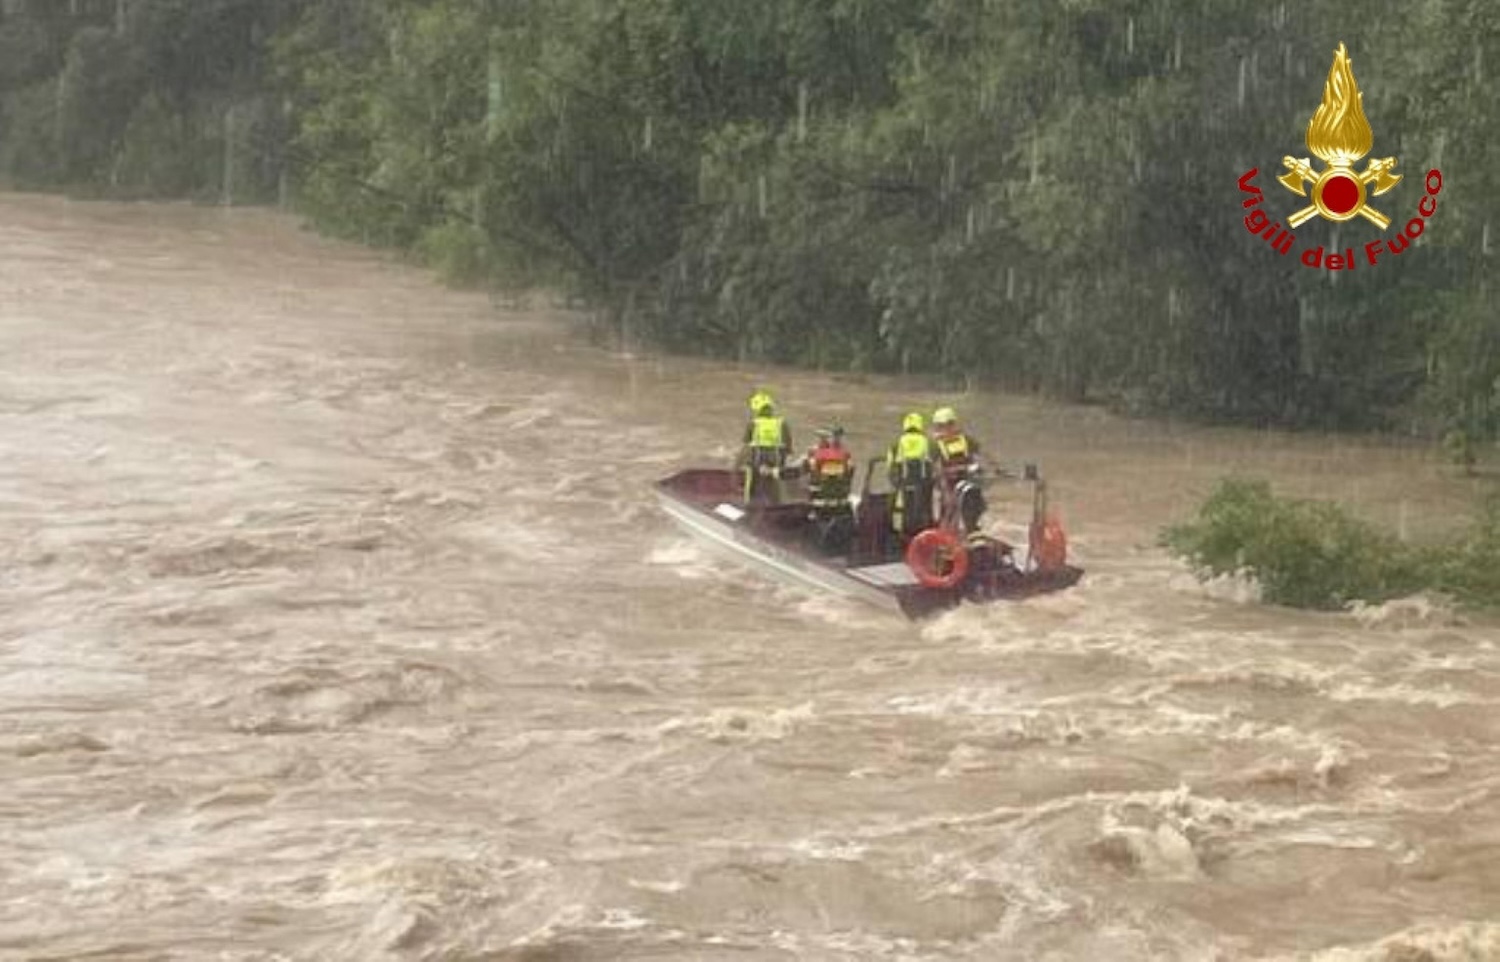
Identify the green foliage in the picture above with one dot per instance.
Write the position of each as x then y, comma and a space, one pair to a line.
1036, 194
1470, 569
137, 98
458, 251
154, 157
28, 145
1310, 554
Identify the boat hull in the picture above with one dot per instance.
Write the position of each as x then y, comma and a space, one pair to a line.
774, 539
786, 566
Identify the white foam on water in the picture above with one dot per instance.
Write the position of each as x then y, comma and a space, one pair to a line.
687, 557
1404, 694
741, 724
663, 888
1464, 941
829, 850
1240, 587
1418, 611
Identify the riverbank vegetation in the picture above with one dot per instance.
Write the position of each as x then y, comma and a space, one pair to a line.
1037, 195
1310, 554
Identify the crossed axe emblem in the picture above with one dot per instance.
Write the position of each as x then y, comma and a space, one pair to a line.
1376, 173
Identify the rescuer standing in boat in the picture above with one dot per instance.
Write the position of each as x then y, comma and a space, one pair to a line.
911, 466
830, 474
962, 501
768, 442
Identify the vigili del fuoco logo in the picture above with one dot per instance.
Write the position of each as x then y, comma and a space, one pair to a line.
1339, 136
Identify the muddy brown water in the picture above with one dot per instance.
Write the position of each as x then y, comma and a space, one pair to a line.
337, 622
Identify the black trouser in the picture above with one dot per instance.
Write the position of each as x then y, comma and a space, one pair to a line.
971, 504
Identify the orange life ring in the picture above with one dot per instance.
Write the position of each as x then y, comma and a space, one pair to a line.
938, 558
1049, 544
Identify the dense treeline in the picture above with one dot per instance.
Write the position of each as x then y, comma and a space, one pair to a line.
1039, 193
143, 98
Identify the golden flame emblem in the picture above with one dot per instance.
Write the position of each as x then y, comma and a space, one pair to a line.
1339, 135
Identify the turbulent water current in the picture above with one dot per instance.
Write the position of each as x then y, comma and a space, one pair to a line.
337, 622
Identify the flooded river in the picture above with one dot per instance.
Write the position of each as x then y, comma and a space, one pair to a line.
337, 622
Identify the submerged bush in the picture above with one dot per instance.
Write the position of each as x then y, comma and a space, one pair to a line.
1310, 554
1470, 569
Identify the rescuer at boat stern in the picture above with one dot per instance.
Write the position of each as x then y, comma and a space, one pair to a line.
960, 496
767, 443
912, 470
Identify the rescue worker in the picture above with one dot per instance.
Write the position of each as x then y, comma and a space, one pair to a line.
768, 442
830, 472
962, 501
911, 466
830, 476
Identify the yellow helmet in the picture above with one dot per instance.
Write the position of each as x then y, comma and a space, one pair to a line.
913, 422
761, 402
944, 416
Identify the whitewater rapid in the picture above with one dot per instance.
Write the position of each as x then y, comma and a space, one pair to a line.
337, 622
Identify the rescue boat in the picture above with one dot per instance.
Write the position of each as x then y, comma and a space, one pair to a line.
862, 558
